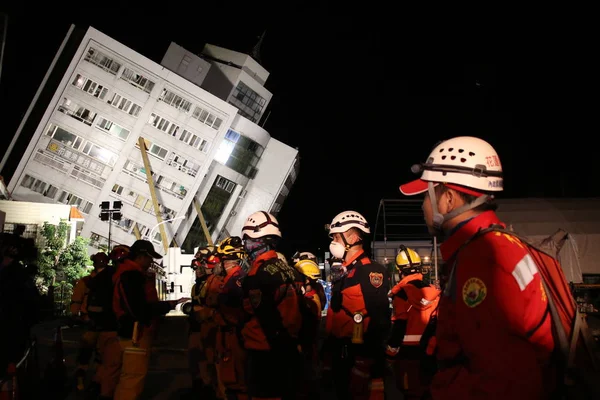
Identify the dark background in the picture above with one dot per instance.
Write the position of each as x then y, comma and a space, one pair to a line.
364, 91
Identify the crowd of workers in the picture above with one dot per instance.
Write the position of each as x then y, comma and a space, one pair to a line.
483, 332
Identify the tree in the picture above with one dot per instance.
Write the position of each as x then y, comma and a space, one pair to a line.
56, 255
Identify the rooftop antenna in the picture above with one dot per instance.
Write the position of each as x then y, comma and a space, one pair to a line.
257, 47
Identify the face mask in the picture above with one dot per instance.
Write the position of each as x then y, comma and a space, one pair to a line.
337, 250
255, 247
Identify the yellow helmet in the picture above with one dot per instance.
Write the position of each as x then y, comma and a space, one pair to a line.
408, 260
231, 248
308, 268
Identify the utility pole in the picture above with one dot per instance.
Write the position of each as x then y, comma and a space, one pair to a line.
4, 31
110, 215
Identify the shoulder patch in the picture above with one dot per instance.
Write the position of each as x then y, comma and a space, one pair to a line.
474, 292
376, 279
271, 269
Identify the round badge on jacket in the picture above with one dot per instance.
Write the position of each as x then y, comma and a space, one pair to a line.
358, 318
474, 292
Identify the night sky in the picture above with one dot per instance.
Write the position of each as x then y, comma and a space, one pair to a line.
364, 96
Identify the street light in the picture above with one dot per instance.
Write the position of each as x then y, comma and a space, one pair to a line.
110, 214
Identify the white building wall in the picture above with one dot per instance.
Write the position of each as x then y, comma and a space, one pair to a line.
254, 85
124, 178
245, 61
23, 212
273, 168
185, 64
125, 150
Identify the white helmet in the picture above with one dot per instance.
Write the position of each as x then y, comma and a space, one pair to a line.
260, 224
305, 255
466, 161
346, 220
467, 164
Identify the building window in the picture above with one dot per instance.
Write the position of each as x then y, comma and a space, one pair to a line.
212, 208
194, 141
137, 80
207, 118
69, 198
77, 111
225, 184
158, 151
163, 124
89, 86
100, 153
63, 141
136, 170
169, 186
37, 185
87, 176
125, 105
183, 164
249, 103
112, 129
175, 101
63, 136
239, 153
100, 242
101, 60
154, 149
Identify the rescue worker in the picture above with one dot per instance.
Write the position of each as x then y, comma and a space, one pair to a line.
79, 312
314, 296
204, 312
198, 365
494, 336
271, 329
19, 303
358, 317
135, 312
413, 302
109, 345
231, 355
304, 255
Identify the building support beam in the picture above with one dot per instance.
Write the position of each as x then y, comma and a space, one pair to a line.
203, 222
136, 231
152, 188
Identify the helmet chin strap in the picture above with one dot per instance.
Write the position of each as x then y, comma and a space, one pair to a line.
439, 219
348, 246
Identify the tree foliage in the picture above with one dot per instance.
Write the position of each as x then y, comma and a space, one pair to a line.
55, 255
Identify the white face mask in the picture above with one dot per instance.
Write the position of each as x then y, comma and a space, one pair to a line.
337, 250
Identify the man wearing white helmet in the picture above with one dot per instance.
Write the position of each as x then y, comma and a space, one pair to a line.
494, 334
272, 302
358, 317
304, 255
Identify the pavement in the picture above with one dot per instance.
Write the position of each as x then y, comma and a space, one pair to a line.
168, 377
